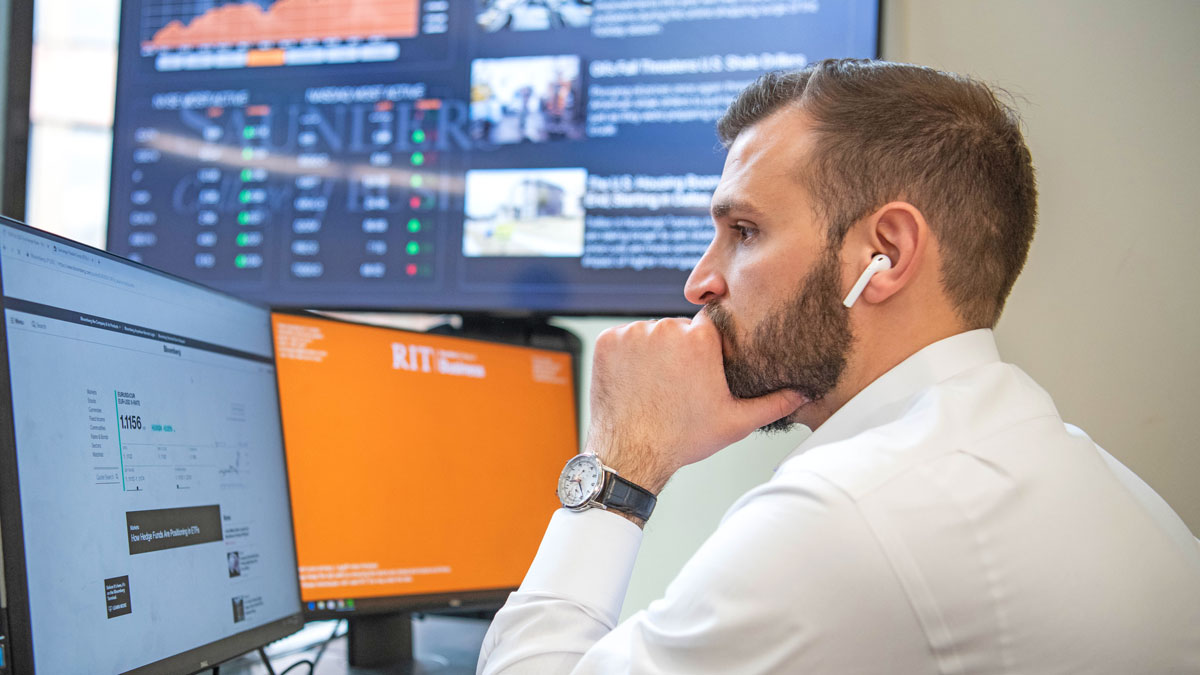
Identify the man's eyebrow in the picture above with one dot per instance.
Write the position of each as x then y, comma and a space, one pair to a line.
725, 207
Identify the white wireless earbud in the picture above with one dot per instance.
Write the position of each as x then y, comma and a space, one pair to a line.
878, 264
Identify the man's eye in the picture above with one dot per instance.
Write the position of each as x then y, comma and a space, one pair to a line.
743, 231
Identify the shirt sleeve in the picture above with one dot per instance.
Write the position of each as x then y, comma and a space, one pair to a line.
792, 581
570, 598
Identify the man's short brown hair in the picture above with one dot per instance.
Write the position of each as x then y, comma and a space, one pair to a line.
942, 142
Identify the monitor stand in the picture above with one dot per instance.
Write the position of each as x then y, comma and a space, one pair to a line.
379, 640
528, 331
385, 644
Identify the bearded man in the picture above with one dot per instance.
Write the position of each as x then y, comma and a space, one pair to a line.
870, 222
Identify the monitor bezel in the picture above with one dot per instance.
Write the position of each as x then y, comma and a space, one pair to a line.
12, 540
464, 600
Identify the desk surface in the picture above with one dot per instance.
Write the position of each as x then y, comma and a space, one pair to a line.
442, 646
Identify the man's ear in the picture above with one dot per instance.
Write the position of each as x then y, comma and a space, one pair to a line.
899, 231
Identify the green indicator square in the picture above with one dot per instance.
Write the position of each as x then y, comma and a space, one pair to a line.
248, 132
243, 239
416, 181
414, 225
419, 136
413, 248
247, 174
418, 158
247, 153
244, 196
243, 218
239, 261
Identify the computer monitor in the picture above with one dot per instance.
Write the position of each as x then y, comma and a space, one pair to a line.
422, 466
143, 488
491, 156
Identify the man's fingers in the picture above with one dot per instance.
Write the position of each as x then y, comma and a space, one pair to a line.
766, 409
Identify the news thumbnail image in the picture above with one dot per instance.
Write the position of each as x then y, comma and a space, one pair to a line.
526, 99
522, 15
524, 212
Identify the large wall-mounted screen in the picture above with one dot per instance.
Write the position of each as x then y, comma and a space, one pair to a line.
545, 156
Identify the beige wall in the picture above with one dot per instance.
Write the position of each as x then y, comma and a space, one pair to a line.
1106, 314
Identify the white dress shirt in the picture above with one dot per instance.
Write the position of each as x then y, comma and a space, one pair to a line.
945, 520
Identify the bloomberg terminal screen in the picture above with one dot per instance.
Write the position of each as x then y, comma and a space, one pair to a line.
539, 156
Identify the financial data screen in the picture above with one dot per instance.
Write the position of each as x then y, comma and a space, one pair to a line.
494, 155
153, 491
419, 464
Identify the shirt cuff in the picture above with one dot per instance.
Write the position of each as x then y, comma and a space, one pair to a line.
586, 557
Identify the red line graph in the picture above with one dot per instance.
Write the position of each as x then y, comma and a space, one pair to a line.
292, 20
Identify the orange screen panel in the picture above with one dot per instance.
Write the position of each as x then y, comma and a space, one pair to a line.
418, 463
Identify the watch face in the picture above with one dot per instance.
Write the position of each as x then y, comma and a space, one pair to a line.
580, 482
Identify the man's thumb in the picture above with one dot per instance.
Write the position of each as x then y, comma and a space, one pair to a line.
763, 410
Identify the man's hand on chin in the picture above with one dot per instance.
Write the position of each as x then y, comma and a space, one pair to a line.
659, 399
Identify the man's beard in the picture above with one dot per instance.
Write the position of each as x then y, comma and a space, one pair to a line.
802, 346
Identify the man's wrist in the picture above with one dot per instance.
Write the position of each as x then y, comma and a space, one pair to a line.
630, 517
631, 464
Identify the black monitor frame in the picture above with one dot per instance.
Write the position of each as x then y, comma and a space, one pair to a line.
17, 65
15, 610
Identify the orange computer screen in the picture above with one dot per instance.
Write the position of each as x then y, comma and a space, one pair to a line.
418, 463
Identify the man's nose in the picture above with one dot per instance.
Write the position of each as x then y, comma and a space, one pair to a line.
706, 283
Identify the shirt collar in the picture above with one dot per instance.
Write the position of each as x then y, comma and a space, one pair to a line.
877, 403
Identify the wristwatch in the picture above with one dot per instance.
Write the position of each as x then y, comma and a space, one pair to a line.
586, 483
